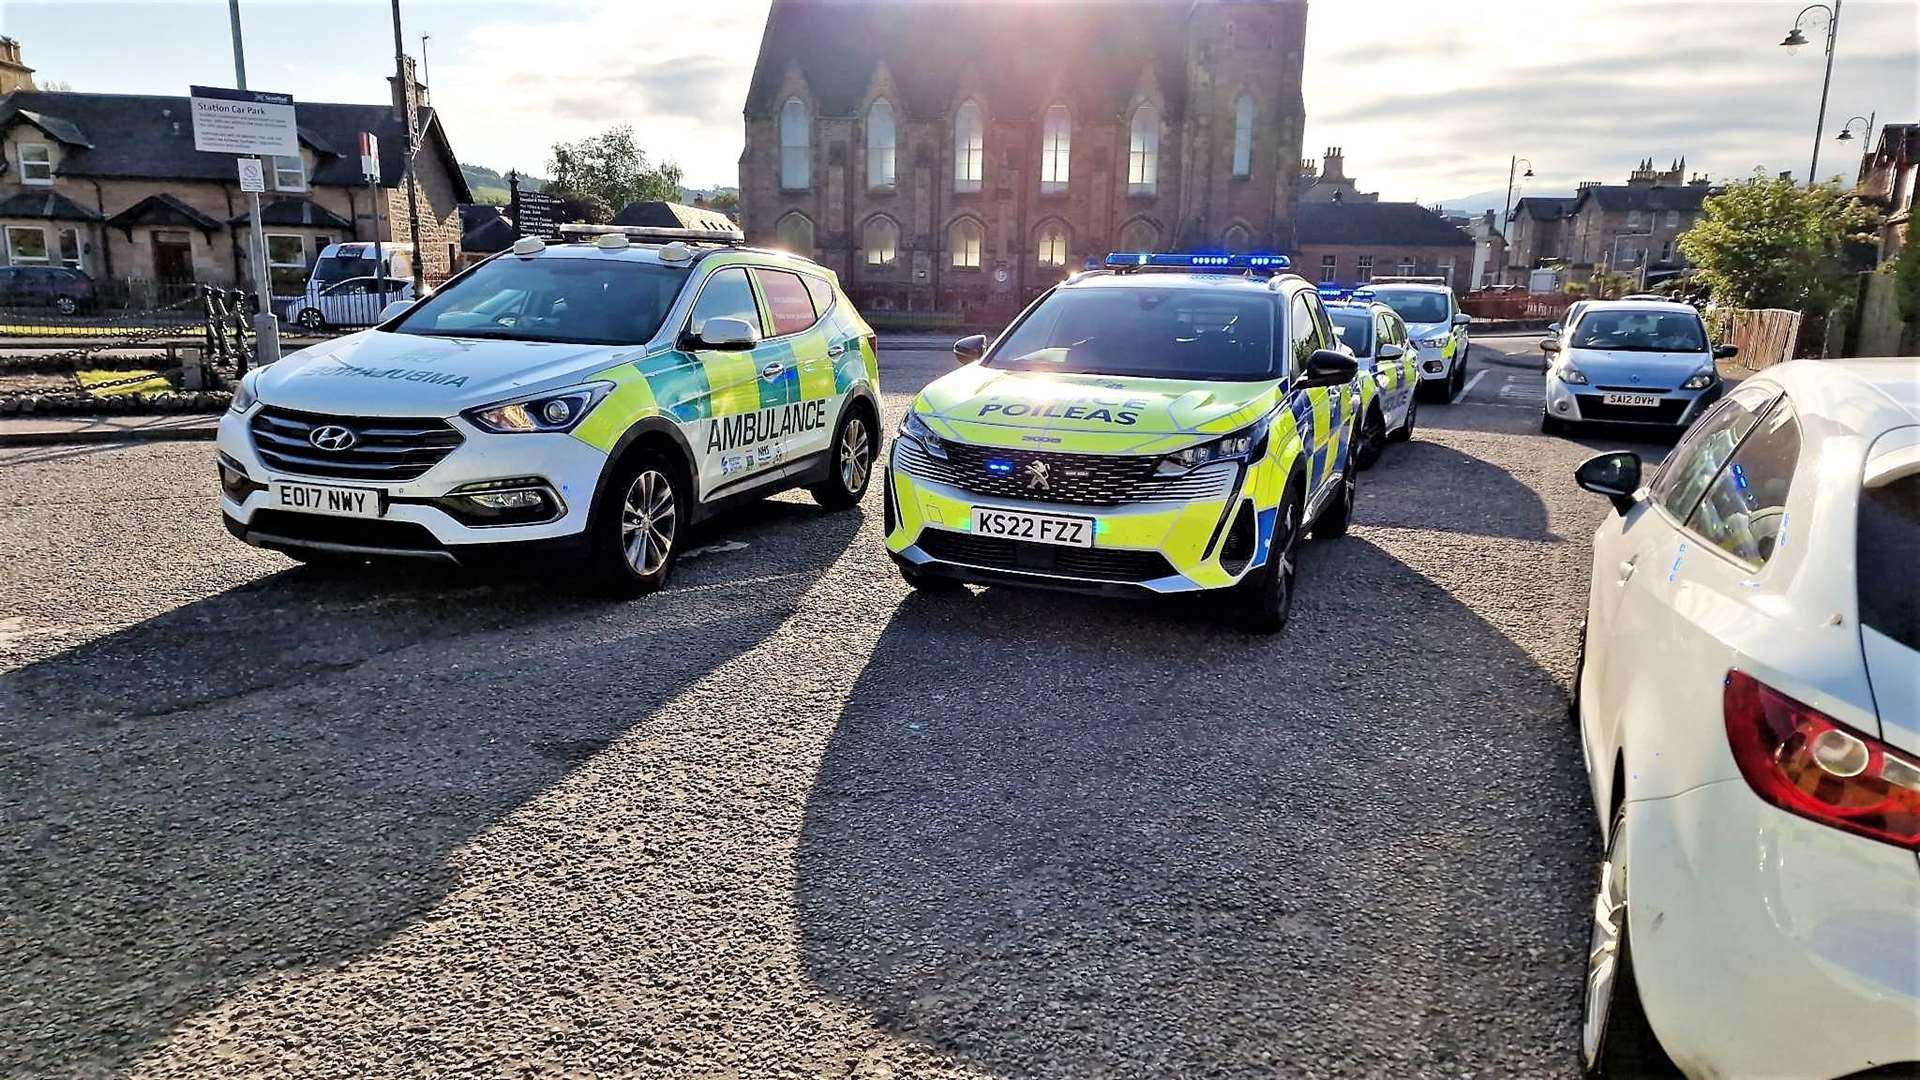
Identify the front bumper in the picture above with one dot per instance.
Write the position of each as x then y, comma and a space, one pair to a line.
1150, 547
1581, 403
414, 523
1433, 364
1767, 945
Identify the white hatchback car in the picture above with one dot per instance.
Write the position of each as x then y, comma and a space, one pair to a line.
1749, 706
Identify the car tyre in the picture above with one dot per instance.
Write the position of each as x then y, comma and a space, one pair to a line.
311, 319
65, 305
1265, 597
1550, 425
1338, 513
1458, 377
1405, 431
856, 446
1616, 1040
638, 525
1372, 440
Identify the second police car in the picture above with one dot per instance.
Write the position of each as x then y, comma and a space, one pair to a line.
588, 400
1436, 327
1170, 424
1373, 332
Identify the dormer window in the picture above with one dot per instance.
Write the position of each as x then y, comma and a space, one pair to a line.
289, 174
36, 163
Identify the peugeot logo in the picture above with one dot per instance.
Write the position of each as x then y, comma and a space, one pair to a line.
333, 437
1039, 477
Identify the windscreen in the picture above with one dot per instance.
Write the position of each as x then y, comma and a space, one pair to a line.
585, 301
1417, 307
337, 268
1355, 326
1640, 331
1146, 332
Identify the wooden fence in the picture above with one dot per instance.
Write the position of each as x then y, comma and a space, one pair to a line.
1765, 335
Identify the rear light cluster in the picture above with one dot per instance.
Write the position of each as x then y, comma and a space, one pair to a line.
1808, 763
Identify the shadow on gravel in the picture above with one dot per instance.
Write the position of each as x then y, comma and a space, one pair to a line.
1426, 485
1064, 837
274, 778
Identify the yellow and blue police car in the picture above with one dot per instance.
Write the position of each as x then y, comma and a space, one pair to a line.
1377, 337
578, 402
1171, 423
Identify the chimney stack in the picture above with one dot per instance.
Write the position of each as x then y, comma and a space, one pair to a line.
1335, 169
14, 75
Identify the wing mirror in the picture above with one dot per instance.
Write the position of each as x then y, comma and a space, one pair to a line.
1329, 367
1615, 475
1389, 352
1462, 318
395, 310
969, 349
725, 333
1550, 345
1553, 328
1725, 352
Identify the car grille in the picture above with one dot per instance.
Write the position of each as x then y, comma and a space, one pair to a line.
1097, 564
355, 532
390, 448
1074, 479
1668, 411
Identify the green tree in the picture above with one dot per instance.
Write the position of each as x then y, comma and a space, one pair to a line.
1770, 243
611, 168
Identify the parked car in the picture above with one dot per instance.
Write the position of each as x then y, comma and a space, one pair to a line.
354, 302
1437, 328
1748, 698
60, 288
1631, 362
1377, 338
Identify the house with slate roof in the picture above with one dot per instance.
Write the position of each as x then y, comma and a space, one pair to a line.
1349, 243
965, 156
111, 184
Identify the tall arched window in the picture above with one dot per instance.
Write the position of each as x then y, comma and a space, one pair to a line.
795, 146
1238, 239
965, 238
881, 239
880, 152
1056, 149
969, 147
1243, 135
1140, 236
1143, 152
1052, 245
795, 233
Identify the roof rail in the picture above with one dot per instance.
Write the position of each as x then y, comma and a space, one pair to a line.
651, 233
1409, 279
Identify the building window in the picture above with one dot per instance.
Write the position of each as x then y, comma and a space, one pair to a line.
795, 233
1330, 268
1143, 152
1053, 244
880, 147
1446, 269
1363, 270
36, 163
1139, 236
286, 264
964, 240
1056, 143
1406, 266
795, 146
70, 248
881, 238
289, 174
1633, 219
1666, 251
26, 245
1673, 219
969, 148
1243, 135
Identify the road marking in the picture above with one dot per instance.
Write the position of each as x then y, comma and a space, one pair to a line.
1477, 376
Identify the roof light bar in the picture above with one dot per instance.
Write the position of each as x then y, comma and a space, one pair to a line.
1134, 260
649, 233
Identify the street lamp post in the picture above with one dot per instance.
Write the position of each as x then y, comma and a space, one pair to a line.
1792, 43
1846, 129
1507, 211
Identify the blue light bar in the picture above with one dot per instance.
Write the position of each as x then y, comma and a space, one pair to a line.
1128, 260
1332, 292
1363, 295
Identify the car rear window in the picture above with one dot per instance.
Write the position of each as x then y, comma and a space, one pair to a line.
1888, 549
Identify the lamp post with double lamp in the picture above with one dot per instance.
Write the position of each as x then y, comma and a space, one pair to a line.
1792, 42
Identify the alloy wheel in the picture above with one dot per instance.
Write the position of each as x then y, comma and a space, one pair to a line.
1284, 540
65, 305
647, 522
1603, 946
856, 456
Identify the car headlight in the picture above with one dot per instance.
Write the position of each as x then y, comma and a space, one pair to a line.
556, 410
243, 395
917, 430
1571, 374
1438, 341
1700, 380
1247, 444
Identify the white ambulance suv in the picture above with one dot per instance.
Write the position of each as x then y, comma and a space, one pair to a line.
595, 396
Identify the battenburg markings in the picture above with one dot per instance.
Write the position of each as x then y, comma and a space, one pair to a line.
729, 432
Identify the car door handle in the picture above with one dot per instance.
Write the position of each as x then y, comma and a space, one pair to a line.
835, 350
773, 370
1626, 569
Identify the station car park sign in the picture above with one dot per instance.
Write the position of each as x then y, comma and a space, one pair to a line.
536, 213
243, 122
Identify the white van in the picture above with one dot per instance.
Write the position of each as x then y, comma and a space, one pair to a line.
355, 259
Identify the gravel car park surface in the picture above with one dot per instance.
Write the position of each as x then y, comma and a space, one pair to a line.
784, 818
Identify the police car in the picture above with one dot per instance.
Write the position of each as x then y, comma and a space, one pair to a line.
595, 396
1373, 332
1435, 325
1167, 424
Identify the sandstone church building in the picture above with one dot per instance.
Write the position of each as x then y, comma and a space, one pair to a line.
964, 156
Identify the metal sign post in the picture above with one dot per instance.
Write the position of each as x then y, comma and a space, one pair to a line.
246, 123
370, 169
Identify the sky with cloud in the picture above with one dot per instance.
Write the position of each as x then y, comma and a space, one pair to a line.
1428, 99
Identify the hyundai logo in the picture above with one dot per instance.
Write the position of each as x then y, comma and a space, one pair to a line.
333, 437
1039, 477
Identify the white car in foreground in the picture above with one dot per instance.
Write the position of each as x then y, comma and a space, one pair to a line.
1749, 706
